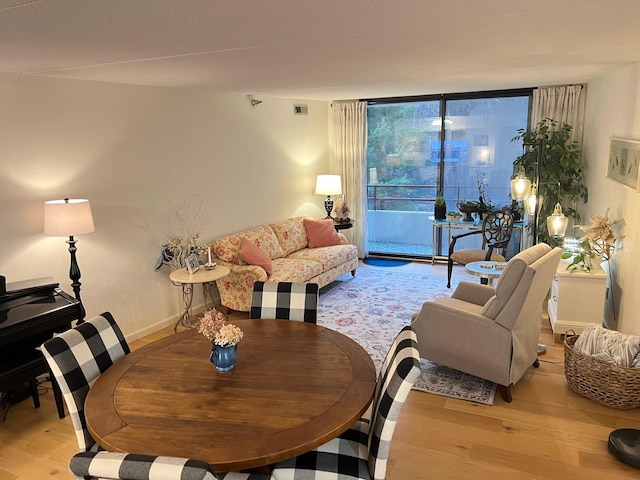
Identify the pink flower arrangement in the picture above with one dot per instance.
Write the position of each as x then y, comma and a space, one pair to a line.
214, 326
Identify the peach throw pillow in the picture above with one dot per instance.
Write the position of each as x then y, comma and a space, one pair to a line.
252, 254
321, 233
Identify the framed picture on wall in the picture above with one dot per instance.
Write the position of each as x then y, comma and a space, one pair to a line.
192, 263
624, 161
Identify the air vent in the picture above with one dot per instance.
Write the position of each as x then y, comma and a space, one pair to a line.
299, 109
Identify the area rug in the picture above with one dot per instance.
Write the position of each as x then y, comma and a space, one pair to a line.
445, 381
373, 307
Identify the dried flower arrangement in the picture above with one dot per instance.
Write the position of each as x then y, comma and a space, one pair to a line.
214, 327
600, 236
599, 240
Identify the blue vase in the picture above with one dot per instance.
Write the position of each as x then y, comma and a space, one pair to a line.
224, 358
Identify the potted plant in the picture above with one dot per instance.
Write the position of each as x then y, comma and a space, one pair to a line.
453, 216
561, 173
440, 208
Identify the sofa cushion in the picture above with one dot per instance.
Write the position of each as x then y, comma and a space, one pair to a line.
253, 255
227, 248
291, 234
328, 257
321, 233
294, 270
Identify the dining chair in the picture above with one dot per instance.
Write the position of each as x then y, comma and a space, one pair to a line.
127, 466
285, 300
497, 227
362, 451
77, 358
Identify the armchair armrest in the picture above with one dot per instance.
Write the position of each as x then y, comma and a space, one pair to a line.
475, 293
455, 238
237, 287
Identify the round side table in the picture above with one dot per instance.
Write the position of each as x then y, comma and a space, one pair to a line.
486, 270
202, 276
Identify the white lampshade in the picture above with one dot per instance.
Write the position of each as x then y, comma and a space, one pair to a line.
68, 217
530, 201
520, 186
328, 185
557, 222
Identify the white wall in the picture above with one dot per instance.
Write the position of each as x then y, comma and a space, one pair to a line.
139, 154
613, 109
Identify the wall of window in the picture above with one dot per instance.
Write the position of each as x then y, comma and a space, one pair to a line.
458, 146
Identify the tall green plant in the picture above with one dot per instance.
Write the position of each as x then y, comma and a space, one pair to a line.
561, 175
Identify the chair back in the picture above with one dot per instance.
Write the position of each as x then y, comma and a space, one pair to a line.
285, 300
399, 372
517, 303
127, 466
497, 228
77, 358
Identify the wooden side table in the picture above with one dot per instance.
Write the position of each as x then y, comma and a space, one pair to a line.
206, 278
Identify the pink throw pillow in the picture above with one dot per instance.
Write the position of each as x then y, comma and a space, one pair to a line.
321, 233
252, 254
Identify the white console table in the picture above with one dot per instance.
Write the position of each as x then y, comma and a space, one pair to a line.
576, 300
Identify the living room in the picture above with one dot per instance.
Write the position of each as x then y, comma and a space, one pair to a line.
146, 156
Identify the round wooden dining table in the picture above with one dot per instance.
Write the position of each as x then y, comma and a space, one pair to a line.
295, 386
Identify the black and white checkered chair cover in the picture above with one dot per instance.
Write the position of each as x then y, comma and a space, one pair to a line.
285, 300
77, 358
362, 451
128, 466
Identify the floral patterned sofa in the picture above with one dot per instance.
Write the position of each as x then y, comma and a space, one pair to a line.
286, 243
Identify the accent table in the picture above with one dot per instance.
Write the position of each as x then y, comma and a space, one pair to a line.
186, 280
487, 270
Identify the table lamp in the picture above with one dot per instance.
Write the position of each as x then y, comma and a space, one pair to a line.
328, 185
69, 217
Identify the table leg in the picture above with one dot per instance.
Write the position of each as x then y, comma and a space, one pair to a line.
187, 298
208, 289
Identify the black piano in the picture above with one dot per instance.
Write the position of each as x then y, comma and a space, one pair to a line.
30, 313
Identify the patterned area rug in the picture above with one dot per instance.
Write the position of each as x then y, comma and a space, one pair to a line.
374, 306
448, 382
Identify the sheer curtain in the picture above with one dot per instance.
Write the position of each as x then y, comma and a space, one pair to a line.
564, 104
349, 128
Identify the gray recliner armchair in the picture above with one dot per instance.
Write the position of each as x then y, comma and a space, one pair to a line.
491, 332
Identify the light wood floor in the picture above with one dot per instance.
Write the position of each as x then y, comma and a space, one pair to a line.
547, 432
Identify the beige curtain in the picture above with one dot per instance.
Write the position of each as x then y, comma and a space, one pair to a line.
349, 132
564, 104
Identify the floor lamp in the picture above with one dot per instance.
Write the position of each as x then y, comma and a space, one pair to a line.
64, 218
556, 223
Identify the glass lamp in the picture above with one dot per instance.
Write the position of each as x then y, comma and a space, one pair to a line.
520, 185
557, 222
69, 217
530, 201
328, 185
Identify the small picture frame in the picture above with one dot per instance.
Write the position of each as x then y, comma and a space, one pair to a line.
193, 263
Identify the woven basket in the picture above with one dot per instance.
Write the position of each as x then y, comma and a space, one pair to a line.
602, 382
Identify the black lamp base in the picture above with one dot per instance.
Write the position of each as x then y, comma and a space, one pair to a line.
328, 206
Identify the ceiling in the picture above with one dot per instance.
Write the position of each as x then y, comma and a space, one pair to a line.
321, 49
